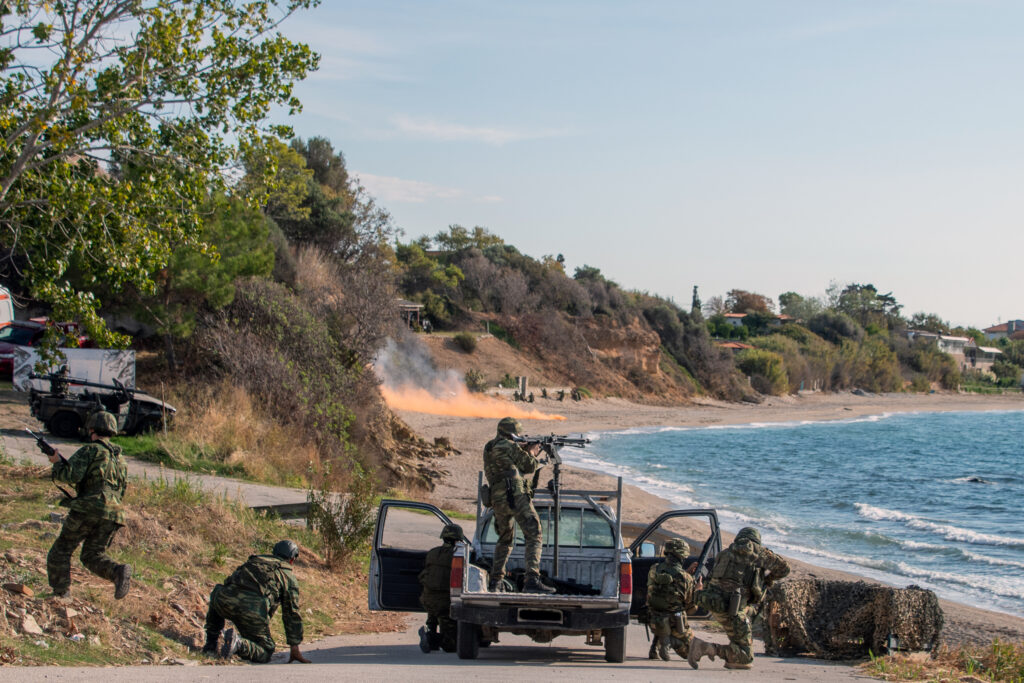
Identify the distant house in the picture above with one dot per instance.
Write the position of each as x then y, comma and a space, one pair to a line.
734, 346
967, 354
1008, 329
736, 319
980, 357
410, 312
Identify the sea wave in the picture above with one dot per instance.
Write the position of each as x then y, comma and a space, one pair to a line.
947, 531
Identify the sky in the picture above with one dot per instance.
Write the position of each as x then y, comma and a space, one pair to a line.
740, 144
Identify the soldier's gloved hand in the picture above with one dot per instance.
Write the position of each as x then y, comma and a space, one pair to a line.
296, 656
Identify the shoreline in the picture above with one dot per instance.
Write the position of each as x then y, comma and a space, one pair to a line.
965, 624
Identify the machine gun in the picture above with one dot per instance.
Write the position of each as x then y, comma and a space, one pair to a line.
550, 445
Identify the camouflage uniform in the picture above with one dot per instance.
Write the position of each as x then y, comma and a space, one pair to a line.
435, 580
670, 592
744, 569
100, 477
505, 463
249, 598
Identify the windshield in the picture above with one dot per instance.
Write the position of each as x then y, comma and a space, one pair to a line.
577, 528
13, 334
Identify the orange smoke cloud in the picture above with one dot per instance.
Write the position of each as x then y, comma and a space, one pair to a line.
460, 403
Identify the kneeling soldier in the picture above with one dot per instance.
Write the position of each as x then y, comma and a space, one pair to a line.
249, 598
435, 579
670, 592
100, 477
742, 575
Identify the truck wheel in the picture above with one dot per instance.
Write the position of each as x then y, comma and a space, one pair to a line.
65, 424
468, 640
615, 644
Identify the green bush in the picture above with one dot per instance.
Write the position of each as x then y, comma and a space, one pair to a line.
766, 370
475, 380
465, 341
342, 521
920, 383
508, 382
503, 334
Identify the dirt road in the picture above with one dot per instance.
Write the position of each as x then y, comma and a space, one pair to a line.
396, 657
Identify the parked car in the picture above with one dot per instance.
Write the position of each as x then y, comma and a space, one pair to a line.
30, 333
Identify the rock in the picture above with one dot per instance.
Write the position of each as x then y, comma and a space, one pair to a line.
181, 662
70, 613
11, 557
56, 518
168, 586
43, 644
29, 626
77, 637
19, 588
95, 640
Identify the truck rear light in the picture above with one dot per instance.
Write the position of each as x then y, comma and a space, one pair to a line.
456, 576
625, 578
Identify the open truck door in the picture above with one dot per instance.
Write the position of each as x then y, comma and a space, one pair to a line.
406, 530
698, 527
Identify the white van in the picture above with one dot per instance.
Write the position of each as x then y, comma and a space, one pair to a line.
6, 307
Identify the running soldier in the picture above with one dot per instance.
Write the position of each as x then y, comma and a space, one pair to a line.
505, 465
742, 575
249, 598
435, 580
100, 477
670, 593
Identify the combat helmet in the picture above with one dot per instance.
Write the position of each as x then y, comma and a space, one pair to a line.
102, 422
749, 533
509, 425
286, 550
678, 548
451, 532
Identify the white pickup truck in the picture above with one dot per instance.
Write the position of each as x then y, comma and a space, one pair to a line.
600, 581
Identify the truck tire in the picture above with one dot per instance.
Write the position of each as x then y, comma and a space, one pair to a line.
467, 640
65, 424
615, 644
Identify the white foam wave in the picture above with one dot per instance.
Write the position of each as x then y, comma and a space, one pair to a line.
967, 554
947, 531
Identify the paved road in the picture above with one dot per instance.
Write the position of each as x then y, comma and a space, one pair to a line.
396, 657
21, 447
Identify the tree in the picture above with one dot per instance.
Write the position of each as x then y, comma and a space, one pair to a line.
864, 304
715, 306
276, 178
458, 238
799, 307
176, 87
929, 322
742, 301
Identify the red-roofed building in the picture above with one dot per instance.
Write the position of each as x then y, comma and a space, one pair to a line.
1008, 329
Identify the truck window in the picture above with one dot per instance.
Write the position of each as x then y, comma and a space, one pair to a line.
411, 529
576, 528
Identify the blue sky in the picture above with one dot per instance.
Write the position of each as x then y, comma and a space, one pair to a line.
771, 146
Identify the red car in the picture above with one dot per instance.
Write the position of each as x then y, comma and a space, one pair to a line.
29, 333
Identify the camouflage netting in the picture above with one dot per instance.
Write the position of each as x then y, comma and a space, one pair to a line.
845, 619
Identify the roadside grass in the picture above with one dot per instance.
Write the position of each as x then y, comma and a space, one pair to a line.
181, 541
170, 452
998, 661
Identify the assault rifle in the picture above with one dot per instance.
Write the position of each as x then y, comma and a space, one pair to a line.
550, 445
49, 451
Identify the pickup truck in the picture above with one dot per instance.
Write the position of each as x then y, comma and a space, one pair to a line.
600, 580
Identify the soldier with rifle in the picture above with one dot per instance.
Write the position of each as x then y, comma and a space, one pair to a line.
670, 593
100, 477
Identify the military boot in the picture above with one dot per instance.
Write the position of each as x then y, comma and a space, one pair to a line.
210, 648
534, 585
122, 580
653, 652
424, 640
680, 648
231, 643
663, 649
699, 648
738, 665
496, 585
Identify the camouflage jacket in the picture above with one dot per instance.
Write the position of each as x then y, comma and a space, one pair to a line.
436, 574
267, 581
748, 566
504, 459
100, 477
669, 587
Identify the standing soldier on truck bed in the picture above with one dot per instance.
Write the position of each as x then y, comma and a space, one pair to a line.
505, 465
741, 577
670, 592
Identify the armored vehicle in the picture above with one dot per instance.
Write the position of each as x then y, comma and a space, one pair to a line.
600, 579
66, 406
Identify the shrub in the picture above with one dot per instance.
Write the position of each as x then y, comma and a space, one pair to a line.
766, 369
342, 521
920, 383
508, 382
465, 341
475, 380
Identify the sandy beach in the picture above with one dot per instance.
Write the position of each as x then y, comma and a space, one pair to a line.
964, 624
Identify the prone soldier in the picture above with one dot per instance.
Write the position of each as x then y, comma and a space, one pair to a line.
670, 593
436, 593
249, 598
100, 477
741, 577
505, 465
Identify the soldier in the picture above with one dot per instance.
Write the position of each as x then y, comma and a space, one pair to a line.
249, 598
505, 465
100, 477
436, 594
742, 574
670, 592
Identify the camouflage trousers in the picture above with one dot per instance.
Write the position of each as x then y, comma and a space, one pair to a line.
740, 649
672, 628
438, 606
95, 535
525, 515
248, 612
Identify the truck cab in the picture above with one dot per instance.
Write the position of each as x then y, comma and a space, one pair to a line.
597, 564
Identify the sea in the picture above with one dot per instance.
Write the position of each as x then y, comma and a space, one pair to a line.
927, 499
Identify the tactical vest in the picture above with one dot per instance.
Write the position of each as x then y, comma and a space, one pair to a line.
259, 575
436, 574
665, 588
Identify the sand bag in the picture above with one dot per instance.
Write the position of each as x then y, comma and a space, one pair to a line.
846, 619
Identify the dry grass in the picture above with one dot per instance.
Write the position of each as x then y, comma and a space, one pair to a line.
999, 661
